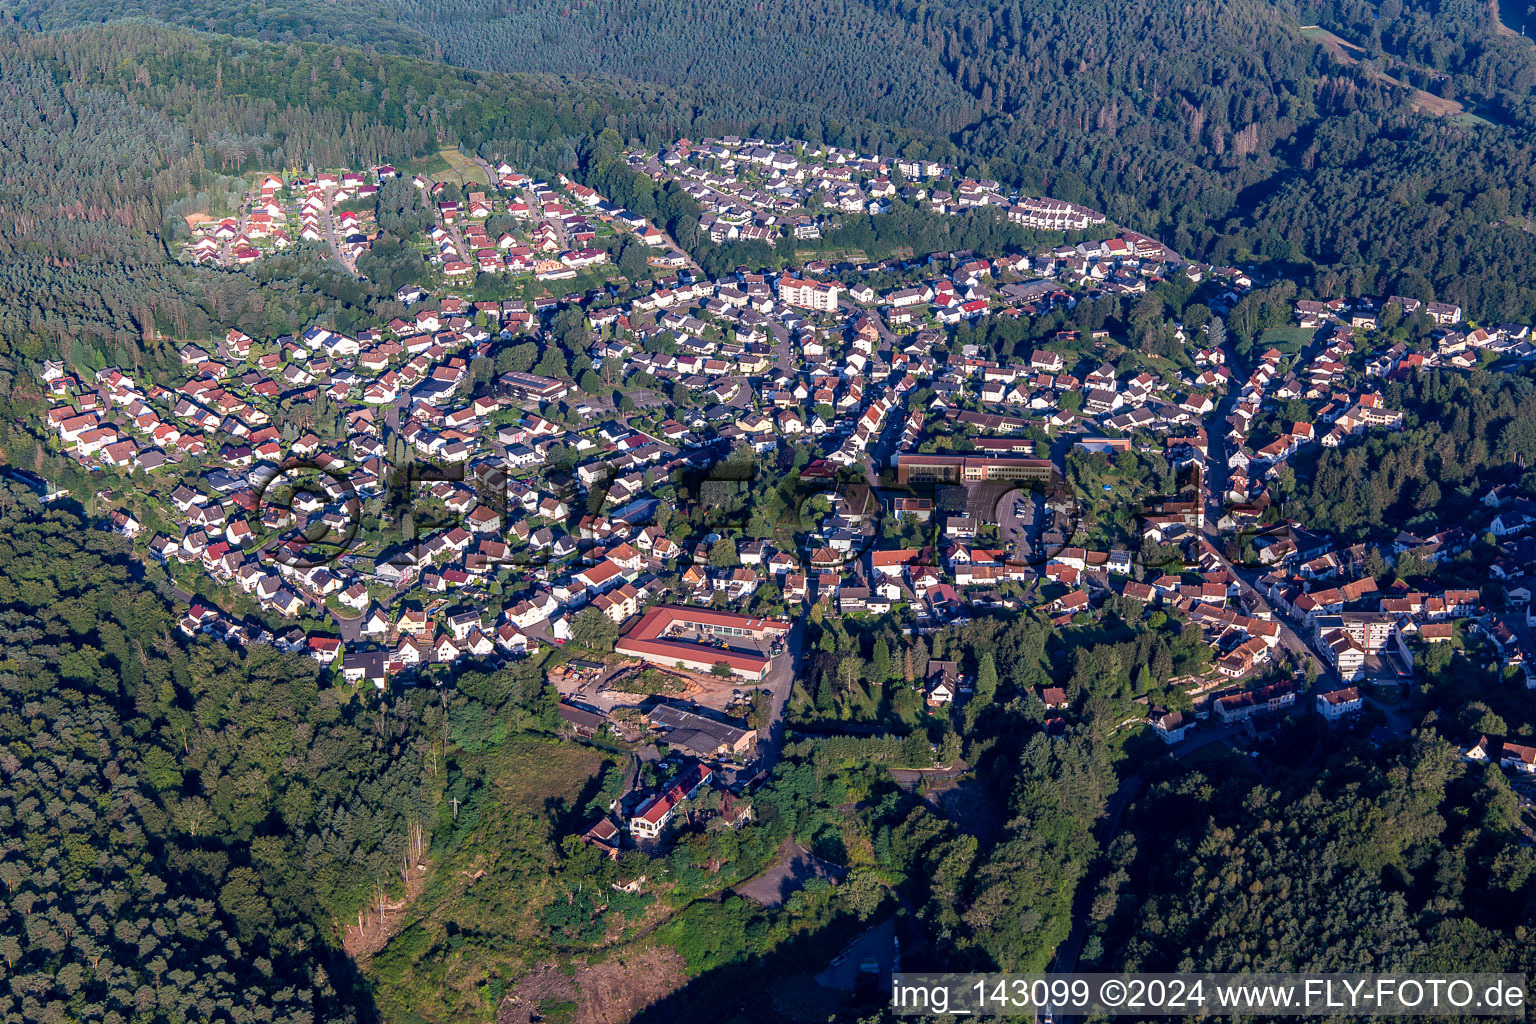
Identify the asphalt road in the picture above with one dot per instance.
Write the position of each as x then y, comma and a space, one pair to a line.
781, 681
783, 355
1294, 640
243, 221
1215, 480
333, 237
1291, 640
877, 944
644, 399
878, 455
535, 209
350, 630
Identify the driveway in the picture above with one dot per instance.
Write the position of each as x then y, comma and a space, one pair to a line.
350, 630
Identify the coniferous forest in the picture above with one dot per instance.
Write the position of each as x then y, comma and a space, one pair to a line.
1219, 127
188, 831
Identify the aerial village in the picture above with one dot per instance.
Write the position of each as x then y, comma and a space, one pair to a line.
501, 479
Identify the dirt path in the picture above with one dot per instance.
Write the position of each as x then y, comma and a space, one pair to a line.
1498, 21
1340, 49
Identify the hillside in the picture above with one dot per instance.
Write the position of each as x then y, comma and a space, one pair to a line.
84, 268
1220, 127
216, 811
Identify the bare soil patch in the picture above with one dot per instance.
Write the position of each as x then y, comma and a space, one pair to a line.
1345, 52
381, 922
610, 992
1498, 20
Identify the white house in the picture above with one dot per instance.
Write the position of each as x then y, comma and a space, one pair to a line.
1339, 704
1172, 726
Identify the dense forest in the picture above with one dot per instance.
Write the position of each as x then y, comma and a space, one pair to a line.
1220, 127
1323, 856
1462, 436
1412, 863
780, 63
182, 825
1451, 48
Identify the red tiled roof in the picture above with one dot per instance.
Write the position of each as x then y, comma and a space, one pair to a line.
646, 636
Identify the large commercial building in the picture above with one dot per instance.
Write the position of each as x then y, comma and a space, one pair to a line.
531, 387
916, 468
674, 636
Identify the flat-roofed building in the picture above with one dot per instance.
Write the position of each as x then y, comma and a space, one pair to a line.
915, 467
530, 386
796, 291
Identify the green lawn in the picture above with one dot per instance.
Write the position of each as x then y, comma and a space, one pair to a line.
1136, 743
462, 168
1288, 340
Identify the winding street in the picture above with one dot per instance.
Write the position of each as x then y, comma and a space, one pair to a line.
1214, 481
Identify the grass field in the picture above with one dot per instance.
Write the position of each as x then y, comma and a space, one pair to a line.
431, 165
1136, 743
838, 255
490, 878
1220, 760
1288, 340
446, 164
462, 169
531, 771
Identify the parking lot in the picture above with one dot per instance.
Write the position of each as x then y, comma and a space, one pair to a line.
1019, 514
